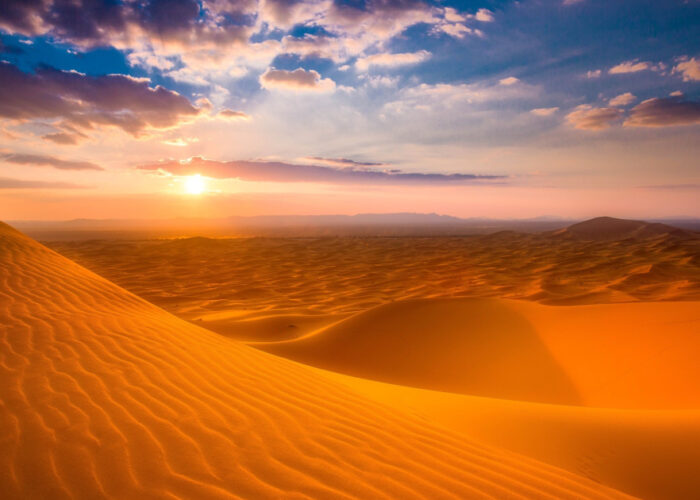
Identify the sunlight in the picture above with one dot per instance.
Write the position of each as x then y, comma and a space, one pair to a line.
195, 184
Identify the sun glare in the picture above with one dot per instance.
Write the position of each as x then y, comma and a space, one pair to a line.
195, 184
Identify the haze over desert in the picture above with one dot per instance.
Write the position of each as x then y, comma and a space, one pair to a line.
349, 249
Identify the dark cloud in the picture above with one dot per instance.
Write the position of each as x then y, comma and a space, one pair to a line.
664, 112
8, 183
100, 22
22, 16
272, 171
85, 102
48, 161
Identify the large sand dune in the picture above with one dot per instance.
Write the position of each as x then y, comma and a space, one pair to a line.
104, 395
635, 355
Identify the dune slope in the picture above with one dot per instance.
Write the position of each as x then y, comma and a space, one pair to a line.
648, 453
636, 355
103, 395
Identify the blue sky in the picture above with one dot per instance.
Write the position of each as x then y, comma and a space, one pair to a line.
488, 98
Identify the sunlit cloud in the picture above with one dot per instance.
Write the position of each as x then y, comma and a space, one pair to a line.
544, 111
298, 80
230, 114
623, 99
635, 67
586, 117
511, 80
689, 69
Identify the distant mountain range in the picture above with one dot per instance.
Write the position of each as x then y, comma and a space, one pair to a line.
395, 224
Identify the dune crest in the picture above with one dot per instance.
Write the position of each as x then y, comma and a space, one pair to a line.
104, 395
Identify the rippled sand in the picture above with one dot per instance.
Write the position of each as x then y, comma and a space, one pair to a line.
394, 387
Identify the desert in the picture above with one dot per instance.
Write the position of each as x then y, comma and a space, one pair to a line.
178, 381
349, 249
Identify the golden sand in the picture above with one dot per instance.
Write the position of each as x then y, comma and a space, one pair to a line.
412, 371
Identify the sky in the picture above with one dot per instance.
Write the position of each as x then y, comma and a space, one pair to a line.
210, 108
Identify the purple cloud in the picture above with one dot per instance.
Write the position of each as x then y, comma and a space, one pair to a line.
86, 102
274, 171
664, 112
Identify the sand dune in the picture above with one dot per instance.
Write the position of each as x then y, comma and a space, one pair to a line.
217, 283
610, 229
614, 356
104, 395
650, 454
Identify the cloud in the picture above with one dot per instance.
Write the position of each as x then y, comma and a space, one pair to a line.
430, 97
274, 171
392, 60
94, 23
48, 161
689, 68
623, 99
8, 183
544, 111
86, 102
593, 73
586, 117
634, 67
664, 112
230, 114
511, 80
484, 15
203, 41
63, 138
340, 162
299, 79
571, 2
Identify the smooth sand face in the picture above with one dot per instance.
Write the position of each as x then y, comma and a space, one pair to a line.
397, 389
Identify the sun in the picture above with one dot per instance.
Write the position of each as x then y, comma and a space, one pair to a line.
195, 184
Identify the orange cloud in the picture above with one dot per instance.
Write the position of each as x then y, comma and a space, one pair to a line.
299, 79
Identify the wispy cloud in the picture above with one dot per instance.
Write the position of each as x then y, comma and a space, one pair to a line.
635, 67
48, 161
544, 111
8, 183
275, 171
392, 60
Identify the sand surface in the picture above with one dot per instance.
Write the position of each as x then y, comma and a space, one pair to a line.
105, 395
501, 366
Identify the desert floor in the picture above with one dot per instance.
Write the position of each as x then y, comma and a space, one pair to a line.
555, 365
